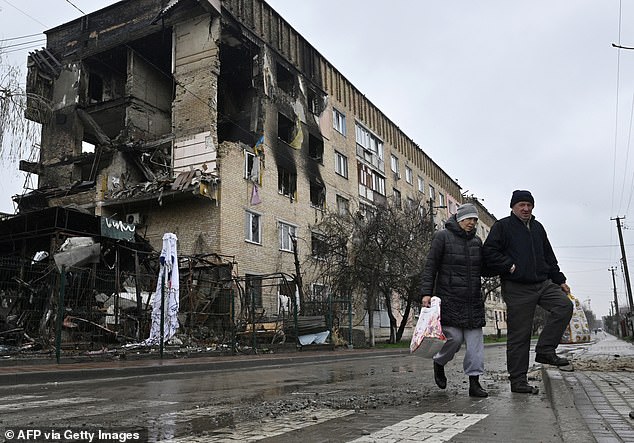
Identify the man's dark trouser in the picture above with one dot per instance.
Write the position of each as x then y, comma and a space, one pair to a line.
521, 300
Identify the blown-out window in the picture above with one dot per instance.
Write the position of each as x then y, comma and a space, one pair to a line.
252, 227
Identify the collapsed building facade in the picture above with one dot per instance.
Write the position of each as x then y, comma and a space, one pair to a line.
216, 121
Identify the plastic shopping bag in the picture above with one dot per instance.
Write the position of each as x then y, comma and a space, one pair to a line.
428, 337
577, 330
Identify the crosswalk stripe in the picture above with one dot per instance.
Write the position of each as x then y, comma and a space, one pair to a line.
431, 427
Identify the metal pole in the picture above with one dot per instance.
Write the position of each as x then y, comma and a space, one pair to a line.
233, 322
330, 316
625, 269
350, 344
162, 310
60, 314
616, 301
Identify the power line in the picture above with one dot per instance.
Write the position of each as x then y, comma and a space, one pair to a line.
588, 246
25, 43
21, 49
70, 3
19, 38
616, 116
29, 16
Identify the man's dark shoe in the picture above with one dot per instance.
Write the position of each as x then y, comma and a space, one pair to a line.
475, 389
439, 376
551, 359
523, 387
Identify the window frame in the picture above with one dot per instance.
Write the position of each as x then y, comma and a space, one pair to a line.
368, 141
396, 194
248, 227
339, 121
394, 163
343, 205
249, 160
409, 175
286, 183
317, 239
283, 237
341, 162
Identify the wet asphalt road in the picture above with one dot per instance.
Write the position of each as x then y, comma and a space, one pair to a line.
336, 400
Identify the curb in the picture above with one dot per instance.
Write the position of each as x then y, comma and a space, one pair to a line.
572, 426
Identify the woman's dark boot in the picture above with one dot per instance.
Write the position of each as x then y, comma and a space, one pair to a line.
439, 376
475, 390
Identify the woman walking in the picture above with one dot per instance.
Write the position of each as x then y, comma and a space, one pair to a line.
452, 272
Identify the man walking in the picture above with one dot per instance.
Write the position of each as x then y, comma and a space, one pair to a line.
518, 249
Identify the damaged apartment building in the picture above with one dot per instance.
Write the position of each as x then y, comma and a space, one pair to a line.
216, 121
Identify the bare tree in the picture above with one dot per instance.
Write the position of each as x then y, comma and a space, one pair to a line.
18, 135
376, 254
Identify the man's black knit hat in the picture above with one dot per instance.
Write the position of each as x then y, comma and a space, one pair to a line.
522, 196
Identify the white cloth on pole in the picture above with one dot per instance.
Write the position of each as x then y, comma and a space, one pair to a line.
168, 275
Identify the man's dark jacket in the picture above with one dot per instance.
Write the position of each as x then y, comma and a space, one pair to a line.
452, 273
511, 242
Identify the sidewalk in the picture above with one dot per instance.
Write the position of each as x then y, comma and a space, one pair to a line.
599, 393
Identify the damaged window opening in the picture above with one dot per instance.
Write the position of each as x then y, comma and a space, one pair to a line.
253, 228
287, 232
252, 167
95, 88
285, 79
314, 104
249, 159
316, 148
285, 128
317, 195
286, 183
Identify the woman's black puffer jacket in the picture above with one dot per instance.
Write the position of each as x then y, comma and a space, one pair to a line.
452, 273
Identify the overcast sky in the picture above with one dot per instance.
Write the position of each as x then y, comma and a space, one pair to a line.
501, 94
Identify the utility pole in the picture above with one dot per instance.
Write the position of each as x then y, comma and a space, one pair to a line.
625, 269
616, 301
